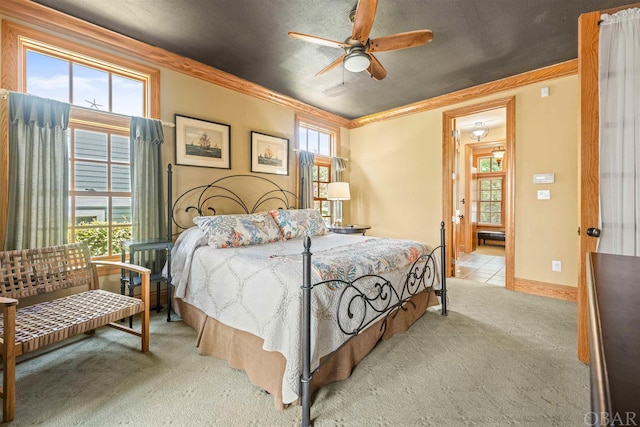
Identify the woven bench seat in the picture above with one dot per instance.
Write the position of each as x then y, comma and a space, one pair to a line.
52, 321
31, 272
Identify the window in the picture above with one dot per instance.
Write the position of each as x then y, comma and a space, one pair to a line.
491, 191
490, 200
489, 164
321, 179
320, 140
104, 92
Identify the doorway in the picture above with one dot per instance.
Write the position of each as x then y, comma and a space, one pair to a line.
460, 156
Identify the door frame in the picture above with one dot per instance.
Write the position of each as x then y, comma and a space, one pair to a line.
448, 123
589, 143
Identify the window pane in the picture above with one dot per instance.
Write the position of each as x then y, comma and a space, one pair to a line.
91, 210
315, 189
90, 88
485, 184
90, 145
484, 207
485, 217
316, 205
495, 167
323, 174
127, 96
323, 190
119, 234
496, 184
496, 206
90, 176
120, 148
96, 238
47, 76
485, 195
120, 179
496, 218
315, 173
325, 144
326, 208
121, 207
302, 138
484, 164
497, 196
312, 141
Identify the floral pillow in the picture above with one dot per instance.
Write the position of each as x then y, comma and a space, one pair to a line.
300, 222
227, 231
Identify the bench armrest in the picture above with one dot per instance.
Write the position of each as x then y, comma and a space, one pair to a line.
7, 302
124, 265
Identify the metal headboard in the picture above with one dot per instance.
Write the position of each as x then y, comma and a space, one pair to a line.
241, 193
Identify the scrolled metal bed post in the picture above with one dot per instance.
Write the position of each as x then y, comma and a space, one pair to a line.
305, 377
443, 270
169, 234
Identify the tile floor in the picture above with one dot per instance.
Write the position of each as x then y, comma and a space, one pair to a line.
481, 268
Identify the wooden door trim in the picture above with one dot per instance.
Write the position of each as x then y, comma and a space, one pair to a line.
509, 104
588, 34
588, 196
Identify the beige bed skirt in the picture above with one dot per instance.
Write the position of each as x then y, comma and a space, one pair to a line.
265, 369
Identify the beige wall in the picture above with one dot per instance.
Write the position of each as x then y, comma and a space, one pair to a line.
188, 96
397, 178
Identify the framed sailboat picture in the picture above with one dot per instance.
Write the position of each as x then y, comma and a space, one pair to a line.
269, 154
202, 143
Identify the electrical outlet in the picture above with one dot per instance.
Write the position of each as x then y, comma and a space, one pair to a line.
556, 265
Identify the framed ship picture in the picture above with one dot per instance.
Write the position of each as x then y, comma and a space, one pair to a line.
202, 143
269, 154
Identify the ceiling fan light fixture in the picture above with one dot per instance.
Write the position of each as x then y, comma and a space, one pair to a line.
357, 61
478, 131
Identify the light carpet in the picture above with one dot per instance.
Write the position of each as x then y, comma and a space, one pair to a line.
500, 358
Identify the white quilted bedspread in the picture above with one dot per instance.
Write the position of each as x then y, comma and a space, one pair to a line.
257, 288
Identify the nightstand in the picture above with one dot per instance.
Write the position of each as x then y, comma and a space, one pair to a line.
349, 229
135, 248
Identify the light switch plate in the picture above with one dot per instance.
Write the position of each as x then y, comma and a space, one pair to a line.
544, 194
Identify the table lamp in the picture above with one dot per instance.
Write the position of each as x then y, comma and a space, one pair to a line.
338, 191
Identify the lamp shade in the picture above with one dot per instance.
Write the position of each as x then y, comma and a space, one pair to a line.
338, 191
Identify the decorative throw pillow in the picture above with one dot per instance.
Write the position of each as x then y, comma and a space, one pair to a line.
226, 231
300, 222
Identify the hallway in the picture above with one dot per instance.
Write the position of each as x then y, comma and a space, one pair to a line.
485, 265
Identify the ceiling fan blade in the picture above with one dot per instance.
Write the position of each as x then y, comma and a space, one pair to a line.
400, 41
331, 66
318, 40
376, 69
363, 20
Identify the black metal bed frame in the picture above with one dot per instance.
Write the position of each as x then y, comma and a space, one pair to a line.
385, 302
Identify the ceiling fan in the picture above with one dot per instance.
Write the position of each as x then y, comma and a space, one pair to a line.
359, 47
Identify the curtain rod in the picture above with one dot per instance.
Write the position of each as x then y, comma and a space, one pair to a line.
4, 94
297, 150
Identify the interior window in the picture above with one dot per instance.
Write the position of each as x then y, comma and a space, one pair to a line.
490, 191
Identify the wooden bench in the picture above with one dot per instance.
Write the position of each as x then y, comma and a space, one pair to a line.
485, 235
25, 273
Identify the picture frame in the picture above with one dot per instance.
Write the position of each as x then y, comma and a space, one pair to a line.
269, 154
202, 143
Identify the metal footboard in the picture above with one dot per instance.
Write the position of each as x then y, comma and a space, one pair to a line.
386, 301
